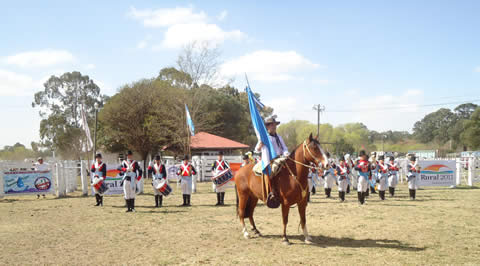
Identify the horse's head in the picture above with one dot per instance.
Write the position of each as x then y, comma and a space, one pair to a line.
313, 152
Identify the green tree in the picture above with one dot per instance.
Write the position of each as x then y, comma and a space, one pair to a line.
61, 103
471, 134
435, 126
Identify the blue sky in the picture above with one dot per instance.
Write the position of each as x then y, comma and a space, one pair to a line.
376, 61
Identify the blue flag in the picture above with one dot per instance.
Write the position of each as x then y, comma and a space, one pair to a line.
191, 127
268, 152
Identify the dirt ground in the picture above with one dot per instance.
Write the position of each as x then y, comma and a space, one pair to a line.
441, 227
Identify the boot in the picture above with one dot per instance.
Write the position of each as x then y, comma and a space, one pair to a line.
218, 199
363, 197
222, 198
381, 194
390, 191
411, 194
101, 200
156, 201
97, 197
273, 198
160, 199
329, 192
348, 189
127, 201
359, 194
184, 200
313, 190
393, 191
367, 193
188, 200
414, 191
326, 193
308, 197
133, 205
341, 195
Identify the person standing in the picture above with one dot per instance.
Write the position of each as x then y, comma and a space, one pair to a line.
392, 176
158, 172
342, 173
329, 177
98, 169
413, 170
363, 168
40, 165
186, 171
217, 167
132, 174
381, 171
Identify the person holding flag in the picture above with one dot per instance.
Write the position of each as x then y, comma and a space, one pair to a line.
270, 144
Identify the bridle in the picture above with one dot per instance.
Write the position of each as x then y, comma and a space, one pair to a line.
316, 160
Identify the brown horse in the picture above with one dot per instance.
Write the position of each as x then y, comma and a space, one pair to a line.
292, 182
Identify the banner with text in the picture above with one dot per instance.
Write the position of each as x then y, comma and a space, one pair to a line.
436, 173
28, 182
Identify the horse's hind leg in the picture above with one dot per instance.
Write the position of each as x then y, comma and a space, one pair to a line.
285, 210
302, 207
252, 221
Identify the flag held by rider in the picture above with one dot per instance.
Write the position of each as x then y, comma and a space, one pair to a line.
268, 152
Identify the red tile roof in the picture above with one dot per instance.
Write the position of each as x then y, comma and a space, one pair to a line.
204, 140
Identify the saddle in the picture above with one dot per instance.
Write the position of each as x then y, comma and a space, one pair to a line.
275, 165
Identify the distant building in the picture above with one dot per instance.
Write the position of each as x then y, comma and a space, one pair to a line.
204, 143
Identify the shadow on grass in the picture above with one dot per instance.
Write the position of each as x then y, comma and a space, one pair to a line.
325, 241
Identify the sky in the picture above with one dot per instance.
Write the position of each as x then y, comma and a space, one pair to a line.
383, 63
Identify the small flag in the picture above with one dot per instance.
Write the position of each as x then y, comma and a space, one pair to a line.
190, 125
86, 129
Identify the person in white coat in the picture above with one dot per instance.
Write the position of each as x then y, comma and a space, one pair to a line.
132, 174
363, 167
219, 166
392, 175
159, 172
329, 177
413, 171
381, 174
342, 175
185, 172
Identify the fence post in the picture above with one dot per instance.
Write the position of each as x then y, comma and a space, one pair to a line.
60, 178
1, 183
458, 165
471, 168
83, 177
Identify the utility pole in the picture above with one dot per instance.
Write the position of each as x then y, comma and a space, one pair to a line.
319, 108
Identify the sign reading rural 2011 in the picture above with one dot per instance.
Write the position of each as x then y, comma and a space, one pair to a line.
436, 173
25, 182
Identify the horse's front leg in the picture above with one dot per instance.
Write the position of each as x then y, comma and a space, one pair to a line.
285, 210
244, 230
302, 207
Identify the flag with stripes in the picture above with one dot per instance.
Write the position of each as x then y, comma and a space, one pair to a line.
190, 125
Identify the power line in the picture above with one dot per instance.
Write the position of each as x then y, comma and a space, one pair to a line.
319, 108
405, 106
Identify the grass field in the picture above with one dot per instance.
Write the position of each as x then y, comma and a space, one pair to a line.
441, 227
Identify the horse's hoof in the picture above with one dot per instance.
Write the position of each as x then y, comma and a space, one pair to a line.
308, 241
286, 242
246, 236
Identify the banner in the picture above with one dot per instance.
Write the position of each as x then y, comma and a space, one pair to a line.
112, 181
436, 173
28, 182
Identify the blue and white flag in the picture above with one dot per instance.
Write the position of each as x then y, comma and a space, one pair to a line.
268, 152
190, 125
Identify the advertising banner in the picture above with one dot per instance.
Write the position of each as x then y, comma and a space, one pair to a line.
28, 182
437, 173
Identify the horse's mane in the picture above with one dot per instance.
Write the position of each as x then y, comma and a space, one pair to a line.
295, 149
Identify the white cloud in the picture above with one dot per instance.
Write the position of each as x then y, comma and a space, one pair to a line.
412, 92
183, 25
40, 58
477, 69
14, 84
90, 66
222, 15
267, 65
180, 35
164, 17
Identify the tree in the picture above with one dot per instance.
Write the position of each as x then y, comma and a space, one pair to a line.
61, 103
464, 111
471, 134
435, 126
200, 61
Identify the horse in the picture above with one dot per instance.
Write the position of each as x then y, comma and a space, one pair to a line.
292, 182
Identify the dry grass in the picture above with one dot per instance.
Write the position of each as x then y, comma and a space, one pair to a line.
441, 227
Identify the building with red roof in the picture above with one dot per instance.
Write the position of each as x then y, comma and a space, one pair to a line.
206, 143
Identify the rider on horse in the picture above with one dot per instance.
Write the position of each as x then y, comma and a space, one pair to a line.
282, 152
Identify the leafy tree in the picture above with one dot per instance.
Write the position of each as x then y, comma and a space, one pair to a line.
435, 126
464, 111
60, 103
471, 135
